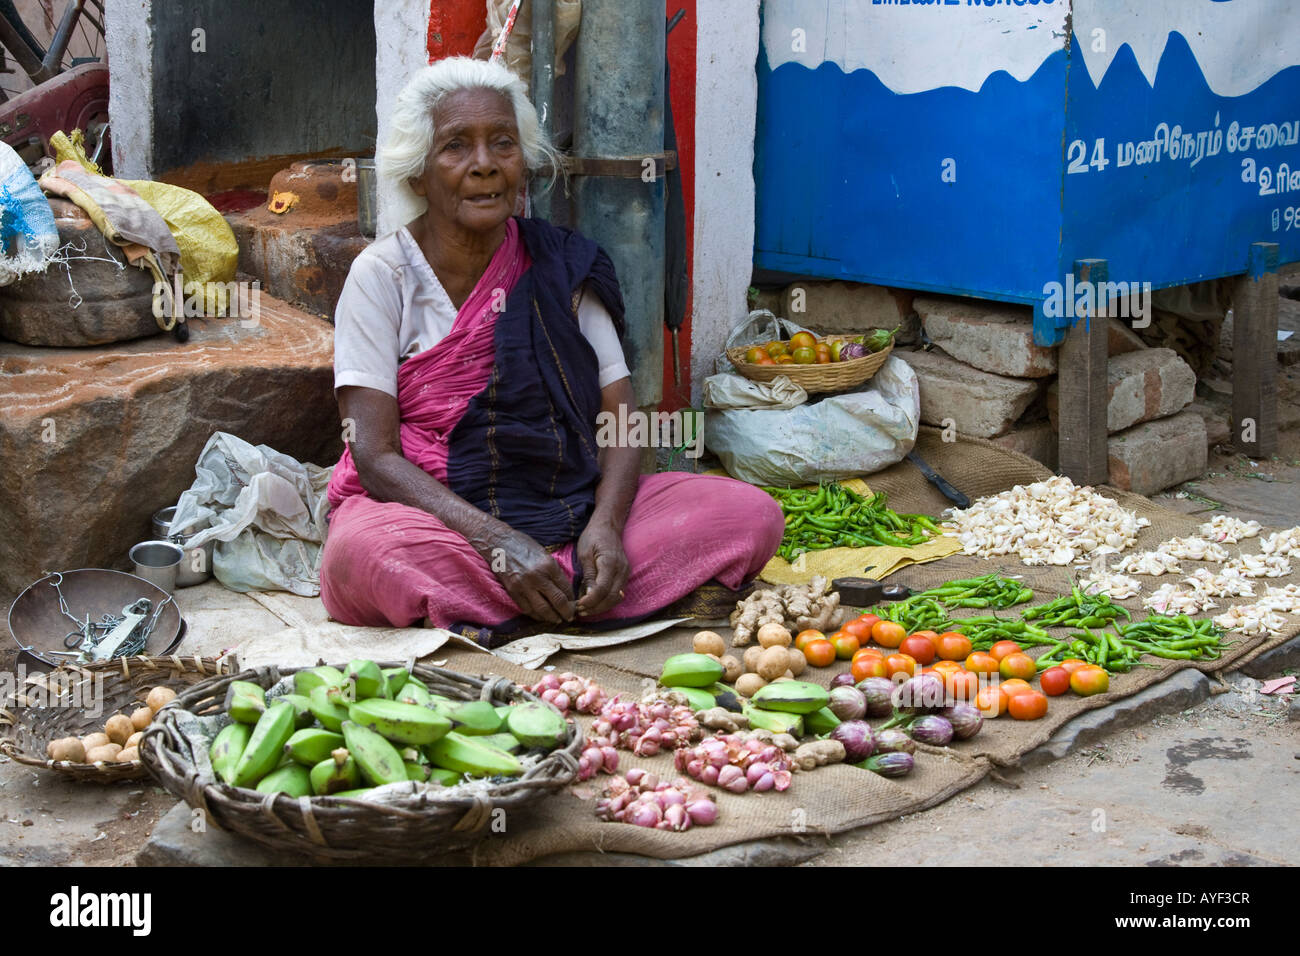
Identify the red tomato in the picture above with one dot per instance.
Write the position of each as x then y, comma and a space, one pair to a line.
930, 636
1015, 686
900, 664
859, 628
1089, 680
888, 633
919, 648
990, 701
982, 662
1072, 664
954, 646
805, 638
1002, 648
869, 652
1055, 681
943, 667
1017, 665
869, 620
867, 665
846, 645
1030, 705
961, 686
820, 653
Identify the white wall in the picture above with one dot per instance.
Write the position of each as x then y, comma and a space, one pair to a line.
726, 104
401, 32
129, 36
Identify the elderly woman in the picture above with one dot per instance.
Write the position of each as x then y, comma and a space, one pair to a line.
473, 353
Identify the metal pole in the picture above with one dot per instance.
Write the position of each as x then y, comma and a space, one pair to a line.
543, 83
619, 123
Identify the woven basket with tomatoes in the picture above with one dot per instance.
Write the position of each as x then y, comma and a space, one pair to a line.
835, 363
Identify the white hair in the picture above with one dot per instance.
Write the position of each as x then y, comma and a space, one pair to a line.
411, 129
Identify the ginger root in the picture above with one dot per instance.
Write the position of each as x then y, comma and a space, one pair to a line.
794, 607
719, 718
818, 753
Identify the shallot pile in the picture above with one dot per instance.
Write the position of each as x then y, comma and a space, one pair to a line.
643, 728
567, 692
736, 763
642, 799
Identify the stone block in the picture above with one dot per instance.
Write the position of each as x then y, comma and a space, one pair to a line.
1121, 338
992, 336
844, 306
1156, 455
1216, 422
981, 404
302, 261
1141, 386
95, 440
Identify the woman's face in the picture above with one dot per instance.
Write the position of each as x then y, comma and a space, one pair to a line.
474, 169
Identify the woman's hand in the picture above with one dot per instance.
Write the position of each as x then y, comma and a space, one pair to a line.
532, 578
604, 568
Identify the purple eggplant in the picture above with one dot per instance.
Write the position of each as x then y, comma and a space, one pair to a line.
931, 729
921, 694
847, 703
857, 738
879, 693
889, 765
966, 720
894, 741
853, 350
841, 680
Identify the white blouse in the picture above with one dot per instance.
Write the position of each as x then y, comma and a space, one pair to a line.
393, 307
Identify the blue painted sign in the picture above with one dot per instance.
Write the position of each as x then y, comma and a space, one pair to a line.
984, 147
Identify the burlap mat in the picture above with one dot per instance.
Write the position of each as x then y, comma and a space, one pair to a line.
834, 799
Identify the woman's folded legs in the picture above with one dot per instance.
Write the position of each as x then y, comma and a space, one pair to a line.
390, 565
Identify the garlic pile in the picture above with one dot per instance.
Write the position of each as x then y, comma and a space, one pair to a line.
1047, 522
1177, 599
1251, 619
1260, 565
1228, 529
1285, 543
1194, 549
1284, 599
1115, 586
1227, 583
1154, 563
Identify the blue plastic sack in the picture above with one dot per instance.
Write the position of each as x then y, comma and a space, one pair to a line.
28, 235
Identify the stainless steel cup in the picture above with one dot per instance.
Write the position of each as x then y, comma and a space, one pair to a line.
162, 520
157, 562
196, 566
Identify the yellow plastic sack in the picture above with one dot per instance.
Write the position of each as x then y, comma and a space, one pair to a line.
209, 253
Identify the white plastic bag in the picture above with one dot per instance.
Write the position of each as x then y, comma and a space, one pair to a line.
266, 512
758, 327
840, 436
736, 391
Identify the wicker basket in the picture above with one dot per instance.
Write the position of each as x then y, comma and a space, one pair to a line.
408, 828
30, 719
831, 377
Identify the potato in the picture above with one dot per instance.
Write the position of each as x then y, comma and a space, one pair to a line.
747, 685
107, 753
66, 748
772, 663
119, 727
91, 741
133, 740
750, 658
734, 668
788, 675
127, 754
774, 635
159, 698
796, 660
141, 717
709, 642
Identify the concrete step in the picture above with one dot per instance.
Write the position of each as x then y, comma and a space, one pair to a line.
97, 439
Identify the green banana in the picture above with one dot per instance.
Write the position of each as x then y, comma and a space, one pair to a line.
791, 696
266, 745
448, 778
507, 742
699, 698
473, 717
691, 670
302, 715
394, 679
312, 745
330, 706
336, 772
412, 679
400, 723
306, 681
538, 724
778, 722
416, 771
413, 694
295, 780
820, 722
379, 760
245, 701
465, 754
358, 794
227, 748
366, 677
